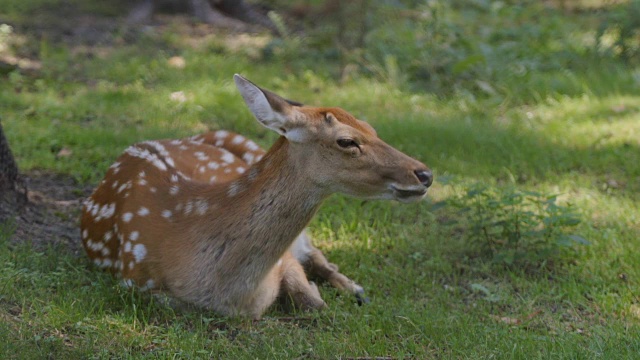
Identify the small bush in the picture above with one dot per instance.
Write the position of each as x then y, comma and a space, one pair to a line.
517, 227
619, 32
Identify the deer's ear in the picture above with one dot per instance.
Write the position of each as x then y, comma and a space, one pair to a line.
270, 110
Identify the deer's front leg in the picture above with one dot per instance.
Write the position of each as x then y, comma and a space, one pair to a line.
318, 265
305, 294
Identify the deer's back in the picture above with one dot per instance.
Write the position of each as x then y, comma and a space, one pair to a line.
129, 222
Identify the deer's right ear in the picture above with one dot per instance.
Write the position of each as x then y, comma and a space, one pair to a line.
269, 109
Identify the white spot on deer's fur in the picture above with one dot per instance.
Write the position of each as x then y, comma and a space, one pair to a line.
183, 147
142, 182
153, 189
115, 167
147, 155
201, 206
118, 264
221, 134
238, 139
197, 141
143, 211
97, 262
105, 251
212, 179
126, 217
201, 156
131, 265
228, 157
94, 209
252, 146
122, 187
179, 207
202, 169
107, 236
166, 214
106, 262
127, 283
173, 189
213, 165
134, 235
240, 169
159, 164
253, 173
234, 188
127, 246
169, 161
182, 175
114, 185
159, 147
248, 158
107, 211
188, 207
142, 174
259, 157
176, 142
219, 143
150, 284
96, 246
174, 178
139, 252
226, 171
85, 233
137, 152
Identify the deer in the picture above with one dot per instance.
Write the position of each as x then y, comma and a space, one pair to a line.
216, 222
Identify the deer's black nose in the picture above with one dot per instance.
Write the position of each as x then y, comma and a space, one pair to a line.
425, 177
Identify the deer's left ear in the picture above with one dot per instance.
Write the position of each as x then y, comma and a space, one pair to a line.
271, 110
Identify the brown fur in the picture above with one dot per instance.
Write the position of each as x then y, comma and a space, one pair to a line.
218, 223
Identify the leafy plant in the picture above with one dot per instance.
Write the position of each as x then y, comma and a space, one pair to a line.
517, 227
619, 32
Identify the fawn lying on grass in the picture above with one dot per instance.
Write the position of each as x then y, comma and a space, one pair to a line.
218, 223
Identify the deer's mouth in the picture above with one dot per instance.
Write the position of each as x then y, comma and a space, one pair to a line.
408, 194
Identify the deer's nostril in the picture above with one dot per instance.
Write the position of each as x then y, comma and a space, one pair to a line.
425, 177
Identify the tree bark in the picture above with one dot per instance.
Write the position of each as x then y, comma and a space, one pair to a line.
13, 192
235, 15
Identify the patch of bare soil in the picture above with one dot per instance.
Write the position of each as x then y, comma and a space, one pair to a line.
52, 214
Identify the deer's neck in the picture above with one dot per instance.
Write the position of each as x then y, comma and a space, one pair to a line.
259, 215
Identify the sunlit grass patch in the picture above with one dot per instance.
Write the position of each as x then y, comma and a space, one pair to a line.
538, 111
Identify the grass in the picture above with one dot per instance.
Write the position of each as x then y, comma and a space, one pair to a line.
571, 130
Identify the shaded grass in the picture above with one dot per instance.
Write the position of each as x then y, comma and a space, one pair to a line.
572, 132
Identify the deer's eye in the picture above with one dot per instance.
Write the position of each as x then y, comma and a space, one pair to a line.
347, 143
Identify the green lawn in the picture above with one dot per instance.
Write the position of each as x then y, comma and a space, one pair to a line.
523, 99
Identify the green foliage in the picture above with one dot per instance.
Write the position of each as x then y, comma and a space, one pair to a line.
440, 46
517, 227
495, 92
619, 31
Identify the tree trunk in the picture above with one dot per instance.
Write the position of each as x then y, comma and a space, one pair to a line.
245, 12
13, 192
235, 15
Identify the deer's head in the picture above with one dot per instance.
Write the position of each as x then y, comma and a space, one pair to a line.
339, 152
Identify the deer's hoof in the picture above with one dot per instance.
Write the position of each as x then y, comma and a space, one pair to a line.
361, 298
